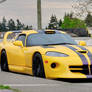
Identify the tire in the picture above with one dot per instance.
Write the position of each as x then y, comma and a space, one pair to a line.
37, 66
4, 63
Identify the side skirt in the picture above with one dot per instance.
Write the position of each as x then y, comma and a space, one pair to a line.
20, 69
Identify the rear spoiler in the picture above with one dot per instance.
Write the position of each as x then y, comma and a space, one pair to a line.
7, 34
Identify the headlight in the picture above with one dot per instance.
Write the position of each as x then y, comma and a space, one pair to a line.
56, 54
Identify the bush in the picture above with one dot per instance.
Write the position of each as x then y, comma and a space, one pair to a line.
73, 23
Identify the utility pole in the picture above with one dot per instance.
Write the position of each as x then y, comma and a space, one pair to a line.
39, 16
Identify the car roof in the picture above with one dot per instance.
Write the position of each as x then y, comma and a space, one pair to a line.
29, 31
40, 31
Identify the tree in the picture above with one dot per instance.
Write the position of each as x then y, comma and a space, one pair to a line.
11, 25
30, 27
0, 27
19, 25
53, 22
60, 23
26, 27
70, 15
82, 8
4, 24
88, 20
72, 23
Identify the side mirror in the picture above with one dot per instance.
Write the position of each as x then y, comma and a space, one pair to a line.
82, 43
18, 43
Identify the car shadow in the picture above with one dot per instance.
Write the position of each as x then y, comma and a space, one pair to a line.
75, 80
60, 79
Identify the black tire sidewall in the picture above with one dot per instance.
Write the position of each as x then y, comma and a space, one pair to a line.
34, 66
4, 61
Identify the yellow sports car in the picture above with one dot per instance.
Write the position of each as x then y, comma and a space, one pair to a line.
46, 53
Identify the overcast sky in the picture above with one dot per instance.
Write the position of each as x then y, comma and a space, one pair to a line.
26, 11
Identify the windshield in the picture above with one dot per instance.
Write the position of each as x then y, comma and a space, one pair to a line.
49, 39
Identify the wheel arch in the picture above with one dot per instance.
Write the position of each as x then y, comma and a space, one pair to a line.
34, 55
1, 54
3, 50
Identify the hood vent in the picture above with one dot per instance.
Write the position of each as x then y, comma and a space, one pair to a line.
83, 51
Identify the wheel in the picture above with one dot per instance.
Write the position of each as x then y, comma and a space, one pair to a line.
37, 66
4, 64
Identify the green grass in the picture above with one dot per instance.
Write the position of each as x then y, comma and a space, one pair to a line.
2, 87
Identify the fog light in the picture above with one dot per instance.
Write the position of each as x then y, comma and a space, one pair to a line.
53, 65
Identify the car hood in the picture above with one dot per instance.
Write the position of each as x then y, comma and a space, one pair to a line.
68, 49
79, 54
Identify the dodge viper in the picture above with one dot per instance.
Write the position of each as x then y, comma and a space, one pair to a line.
46, 53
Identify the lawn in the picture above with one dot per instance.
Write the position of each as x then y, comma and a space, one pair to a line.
2, 87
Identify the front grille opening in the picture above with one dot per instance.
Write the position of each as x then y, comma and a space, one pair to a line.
80, 69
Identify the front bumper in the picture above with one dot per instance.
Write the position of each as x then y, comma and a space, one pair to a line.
62, 69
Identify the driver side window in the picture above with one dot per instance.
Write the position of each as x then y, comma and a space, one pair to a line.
22, 38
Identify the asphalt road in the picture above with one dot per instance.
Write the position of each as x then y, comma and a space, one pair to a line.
27, 83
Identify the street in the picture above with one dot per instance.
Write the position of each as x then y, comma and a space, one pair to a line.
27, 83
